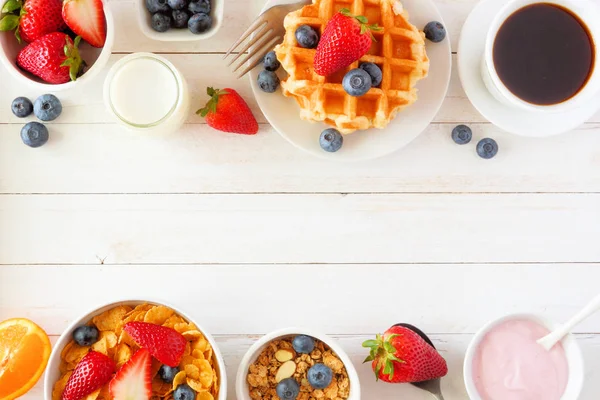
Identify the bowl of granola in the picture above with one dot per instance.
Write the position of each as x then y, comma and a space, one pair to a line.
135, 345
296, 364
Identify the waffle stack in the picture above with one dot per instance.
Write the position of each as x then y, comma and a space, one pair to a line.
399, 50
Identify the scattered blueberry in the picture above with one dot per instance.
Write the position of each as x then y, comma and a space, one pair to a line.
167, 374
307, 37
268, 81
85, 335
47, 107
199, 6
271, 62
180, 19
155, 6
435, 31
200, 23
319, 376
487, 148
34, 134
305, 344
178, 4
184, 392
331, 140
357, 82
22, 107
374, 72
462, 134
288, 389
161, 22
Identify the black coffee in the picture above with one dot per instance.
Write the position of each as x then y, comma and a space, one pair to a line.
544, 54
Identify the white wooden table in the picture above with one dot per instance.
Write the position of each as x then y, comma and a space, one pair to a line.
249, 235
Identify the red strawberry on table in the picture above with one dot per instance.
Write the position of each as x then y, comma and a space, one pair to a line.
91, 373
345, 40
54, 58
133, 381
165, 344
36, 18
226, 111
86, 18
401, 355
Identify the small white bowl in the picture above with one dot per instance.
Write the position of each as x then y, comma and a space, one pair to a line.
52, 370
241, 386
570, 345
95, 58
179, 35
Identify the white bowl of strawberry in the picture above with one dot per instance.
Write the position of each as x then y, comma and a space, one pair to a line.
135, 350
52, 45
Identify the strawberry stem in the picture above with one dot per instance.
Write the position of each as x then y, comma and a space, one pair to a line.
73, 61
211, 105
363, 21
382, 351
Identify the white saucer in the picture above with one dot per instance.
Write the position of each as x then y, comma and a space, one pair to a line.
511, 119
284, 115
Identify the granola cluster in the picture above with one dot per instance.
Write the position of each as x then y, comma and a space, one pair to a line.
279, 361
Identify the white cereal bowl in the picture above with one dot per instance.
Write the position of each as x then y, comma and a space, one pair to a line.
241, 386
52, 370
95, 58
179, 35
570, 345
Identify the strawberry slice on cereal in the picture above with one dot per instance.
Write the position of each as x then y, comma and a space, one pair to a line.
92, 372
133, 381
165, 344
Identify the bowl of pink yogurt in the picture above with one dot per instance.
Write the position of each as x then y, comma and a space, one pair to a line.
504, 362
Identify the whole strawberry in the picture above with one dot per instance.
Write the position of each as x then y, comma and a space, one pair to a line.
165, 344
400, 355
35, 18
345, 40
91, 373
54, 58
226, 111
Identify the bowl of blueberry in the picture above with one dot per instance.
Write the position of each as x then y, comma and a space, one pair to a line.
180, 20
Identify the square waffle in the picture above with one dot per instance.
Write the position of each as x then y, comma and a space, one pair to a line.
398, 49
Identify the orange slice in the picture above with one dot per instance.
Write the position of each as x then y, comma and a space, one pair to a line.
24, 352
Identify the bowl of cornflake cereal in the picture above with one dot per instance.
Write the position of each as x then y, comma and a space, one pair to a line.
296, 364
135, 348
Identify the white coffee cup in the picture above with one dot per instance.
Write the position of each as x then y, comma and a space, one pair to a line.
588, 11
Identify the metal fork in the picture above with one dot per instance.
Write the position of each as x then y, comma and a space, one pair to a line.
264, 33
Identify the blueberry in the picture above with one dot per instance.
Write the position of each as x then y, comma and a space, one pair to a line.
357, 82
319, 376
331, 140
307, 37
305, 344
268, 81
270, 62
180, 18
161, 22
155, 6
47, 107
200, 23
487, 148
288, 389
85, 335
435, 31
374, 72
178, 4
34, 134
184, 392
22, 107
199, 6
167, 374
462, 134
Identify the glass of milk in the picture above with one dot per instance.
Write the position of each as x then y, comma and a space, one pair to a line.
146, 93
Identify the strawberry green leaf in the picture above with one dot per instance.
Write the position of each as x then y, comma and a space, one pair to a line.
11, 5
9, 23
369, 358
362, 19
370, 343
72, 58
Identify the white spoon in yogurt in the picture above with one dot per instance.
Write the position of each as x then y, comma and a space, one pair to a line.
555, 336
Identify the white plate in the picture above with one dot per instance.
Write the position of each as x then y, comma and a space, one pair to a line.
283, 113
511, 119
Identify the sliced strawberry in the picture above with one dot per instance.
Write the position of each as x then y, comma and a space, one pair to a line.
228, 112
86, 18
165, 344
91, 373
133, 381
